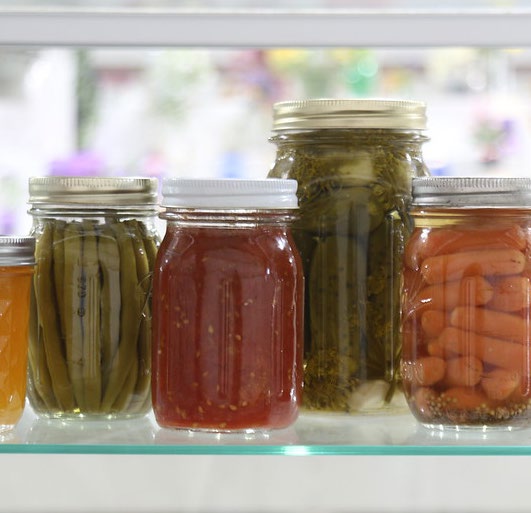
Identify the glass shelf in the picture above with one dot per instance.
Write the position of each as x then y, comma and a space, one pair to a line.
312, 434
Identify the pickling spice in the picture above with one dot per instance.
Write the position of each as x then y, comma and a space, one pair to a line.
227, 307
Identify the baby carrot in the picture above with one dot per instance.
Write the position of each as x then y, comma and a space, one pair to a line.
493, 351
511, 294
429, 370
499, 384
436, 348
471, 290
433, 322
492, 262
464, 398
425, 243
424, 371
463, 371
492, 323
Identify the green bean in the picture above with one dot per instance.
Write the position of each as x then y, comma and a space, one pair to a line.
74, 307
144, 279
58, 269
39, 376
125, 395
91, 370
109, 260
47, 308
150, 243
130, 315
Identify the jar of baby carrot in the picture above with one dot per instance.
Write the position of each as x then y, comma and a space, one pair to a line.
90, 342
16, 270
466, 297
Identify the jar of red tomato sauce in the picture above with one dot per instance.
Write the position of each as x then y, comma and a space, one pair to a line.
227, 306
466, 299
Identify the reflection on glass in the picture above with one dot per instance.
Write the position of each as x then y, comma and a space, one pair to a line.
45, 431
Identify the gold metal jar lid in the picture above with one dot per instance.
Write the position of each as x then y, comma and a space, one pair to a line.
113, 192
473, 192
349, 113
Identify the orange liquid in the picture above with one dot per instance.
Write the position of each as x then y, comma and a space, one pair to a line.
15, 284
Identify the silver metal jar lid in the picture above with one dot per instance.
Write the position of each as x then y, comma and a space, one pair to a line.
471, 192
15, 251
349, 113
115, 191
230, 193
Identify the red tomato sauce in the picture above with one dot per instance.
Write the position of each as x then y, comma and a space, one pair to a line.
227, 328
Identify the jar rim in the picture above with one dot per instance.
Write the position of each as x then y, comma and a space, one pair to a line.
229, 193
437, 191
100, 191
362, 113
17, 251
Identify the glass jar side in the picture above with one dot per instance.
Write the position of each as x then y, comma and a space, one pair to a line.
466, 322
227, 330
15, 285
354, 196
90, 348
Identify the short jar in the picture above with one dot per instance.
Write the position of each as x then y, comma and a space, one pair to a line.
16, 270
354, 161
227, 307
96, 242
466, 298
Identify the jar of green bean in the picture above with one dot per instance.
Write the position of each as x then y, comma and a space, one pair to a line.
90, 322
354, 160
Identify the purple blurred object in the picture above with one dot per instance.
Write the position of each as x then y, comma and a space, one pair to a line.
79, 164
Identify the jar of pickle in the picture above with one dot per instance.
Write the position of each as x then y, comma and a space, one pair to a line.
96, 243
466, 301
16, 270
227, 307
354, 161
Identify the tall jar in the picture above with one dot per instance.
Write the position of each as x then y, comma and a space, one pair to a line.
90, 344
466, 316
16, 270
227, 307
354, 161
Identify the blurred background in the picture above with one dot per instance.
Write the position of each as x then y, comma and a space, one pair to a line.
208, 112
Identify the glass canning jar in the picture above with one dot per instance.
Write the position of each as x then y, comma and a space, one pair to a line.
96, 242
227, 307
466, 300
354, 161
16, 270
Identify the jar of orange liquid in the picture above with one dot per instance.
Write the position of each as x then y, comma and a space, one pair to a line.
466, 303
16, 269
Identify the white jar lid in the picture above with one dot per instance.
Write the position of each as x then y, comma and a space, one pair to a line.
229, 193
